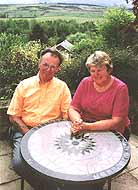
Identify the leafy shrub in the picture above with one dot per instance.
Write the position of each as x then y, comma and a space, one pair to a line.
58, 29
86, 43
38, 33
111, 27
126, 67
19, 63
7, 43
15, 26
72, 71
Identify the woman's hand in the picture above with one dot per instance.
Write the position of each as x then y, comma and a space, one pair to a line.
76, 126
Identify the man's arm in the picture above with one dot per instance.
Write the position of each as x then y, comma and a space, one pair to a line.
19, 124
66, 99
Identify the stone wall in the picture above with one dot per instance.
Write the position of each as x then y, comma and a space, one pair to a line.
4, 121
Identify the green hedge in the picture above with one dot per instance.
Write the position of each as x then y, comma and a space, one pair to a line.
18, 55
18, 60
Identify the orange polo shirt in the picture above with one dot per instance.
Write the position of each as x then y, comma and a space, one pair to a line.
37, 103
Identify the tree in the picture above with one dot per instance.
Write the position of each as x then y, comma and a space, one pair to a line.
131, 31
113, 25
38, 33
135, 8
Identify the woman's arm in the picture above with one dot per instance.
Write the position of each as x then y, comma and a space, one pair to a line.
115, 123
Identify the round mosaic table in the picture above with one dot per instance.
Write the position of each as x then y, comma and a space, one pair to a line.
86, 157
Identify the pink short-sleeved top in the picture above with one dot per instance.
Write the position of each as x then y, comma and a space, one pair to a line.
94, 105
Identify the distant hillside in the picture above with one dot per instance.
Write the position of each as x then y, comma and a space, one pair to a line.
50, 11
91, 2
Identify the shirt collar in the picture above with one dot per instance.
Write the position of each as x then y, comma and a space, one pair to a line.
38, 79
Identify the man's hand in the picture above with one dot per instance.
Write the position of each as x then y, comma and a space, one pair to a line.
23, 130
19, 124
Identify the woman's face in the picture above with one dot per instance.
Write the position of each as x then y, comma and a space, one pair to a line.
100, 74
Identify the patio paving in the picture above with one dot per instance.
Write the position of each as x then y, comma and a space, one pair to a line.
128, 179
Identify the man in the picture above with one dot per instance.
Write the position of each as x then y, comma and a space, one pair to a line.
36, 100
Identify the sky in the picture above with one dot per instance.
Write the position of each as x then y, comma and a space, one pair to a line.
18, 1
99, 2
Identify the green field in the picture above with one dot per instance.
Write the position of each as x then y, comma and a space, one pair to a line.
52, 11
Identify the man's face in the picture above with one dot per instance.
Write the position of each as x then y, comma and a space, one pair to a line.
48, 66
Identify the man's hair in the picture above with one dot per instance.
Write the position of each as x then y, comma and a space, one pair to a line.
54, 52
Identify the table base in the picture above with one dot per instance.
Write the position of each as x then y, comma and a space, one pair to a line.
84, 186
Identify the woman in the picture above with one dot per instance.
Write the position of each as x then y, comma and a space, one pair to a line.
101, 100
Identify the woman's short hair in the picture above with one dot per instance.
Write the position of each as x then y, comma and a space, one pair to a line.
99, 58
